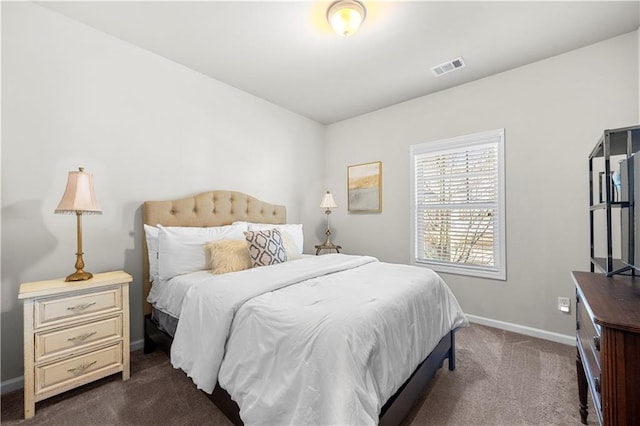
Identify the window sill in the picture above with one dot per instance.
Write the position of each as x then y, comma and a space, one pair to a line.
470, 271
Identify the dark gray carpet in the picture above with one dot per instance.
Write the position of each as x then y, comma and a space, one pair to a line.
501, 378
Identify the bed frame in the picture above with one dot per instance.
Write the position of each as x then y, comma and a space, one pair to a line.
217, 208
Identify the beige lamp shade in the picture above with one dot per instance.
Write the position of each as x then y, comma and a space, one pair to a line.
328, 201
79, 195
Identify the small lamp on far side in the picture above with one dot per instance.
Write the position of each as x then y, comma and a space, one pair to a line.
79, 198
328, 203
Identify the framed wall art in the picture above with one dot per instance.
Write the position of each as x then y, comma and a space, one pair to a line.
365, 187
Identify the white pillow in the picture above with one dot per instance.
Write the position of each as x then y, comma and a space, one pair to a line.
182, 249
293, 229
290, 246
151, 233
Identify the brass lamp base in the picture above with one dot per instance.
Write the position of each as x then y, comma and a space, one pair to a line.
79, 276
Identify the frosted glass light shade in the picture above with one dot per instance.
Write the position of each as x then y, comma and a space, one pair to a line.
328, 201
346, 16
79, 195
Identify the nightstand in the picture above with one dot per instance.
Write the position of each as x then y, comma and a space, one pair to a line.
329, 246
74, 333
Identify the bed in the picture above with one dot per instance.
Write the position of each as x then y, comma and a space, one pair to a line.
164, 330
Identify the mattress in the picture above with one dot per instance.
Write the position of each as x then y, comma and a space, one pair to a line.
167, 296
164, 321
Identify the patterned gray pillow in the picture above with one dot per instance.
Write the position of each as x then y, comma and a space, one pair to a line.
266, 247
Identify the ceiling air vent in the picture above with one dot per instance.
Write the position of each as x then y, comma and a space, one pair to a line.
449, 66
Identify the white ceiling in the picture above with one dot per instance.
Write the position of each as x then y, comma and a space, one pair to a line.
286, 53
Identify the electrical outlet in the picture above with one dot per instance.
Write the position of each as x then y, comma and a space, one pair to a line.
564, 304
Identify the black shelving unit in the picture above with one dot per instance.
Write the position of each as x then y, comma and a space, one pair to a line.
605, 196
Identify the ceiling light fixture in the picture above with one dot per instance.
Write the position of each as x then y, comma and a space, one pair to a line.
345, 16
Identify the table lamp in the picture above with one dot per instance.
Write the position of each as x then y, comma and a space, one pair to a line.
328, 203
80, 199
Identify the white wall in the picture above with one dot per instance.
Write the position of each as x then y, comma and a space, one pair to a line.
147, 128
553, 112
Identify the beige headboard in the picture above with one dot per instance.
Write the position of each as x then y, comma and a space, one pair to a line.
214, 208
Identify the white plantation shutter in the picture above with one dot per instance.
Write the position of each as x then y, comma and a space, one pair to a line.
458, 204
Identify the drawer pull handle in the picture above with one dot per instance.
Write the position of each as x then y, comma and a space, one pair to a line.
80, 369
596, 342
81, 338
80, 308
596, 382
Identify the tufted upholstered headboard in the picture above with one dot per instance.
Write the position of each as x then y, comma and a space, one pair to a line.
214, 208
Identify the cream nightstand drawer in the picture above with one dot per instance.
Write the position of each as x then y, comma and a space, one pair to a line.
78, 370
61, 309
61, 342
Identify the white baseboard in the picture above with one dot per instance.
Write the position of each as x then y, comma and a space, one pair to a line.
137, 345
12, 384
18, 382
522, 329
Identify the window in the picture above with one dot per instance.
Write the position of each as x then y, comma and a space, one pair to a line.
458, 208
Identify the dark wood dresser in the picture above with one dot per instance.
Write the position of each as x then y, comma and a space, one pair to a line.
608, 342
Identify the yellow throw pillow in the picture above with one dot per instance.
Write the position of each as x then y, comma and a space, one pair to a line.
228, 256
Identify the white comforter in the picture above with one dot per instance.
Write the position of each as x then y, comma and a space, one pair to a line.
330, 349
